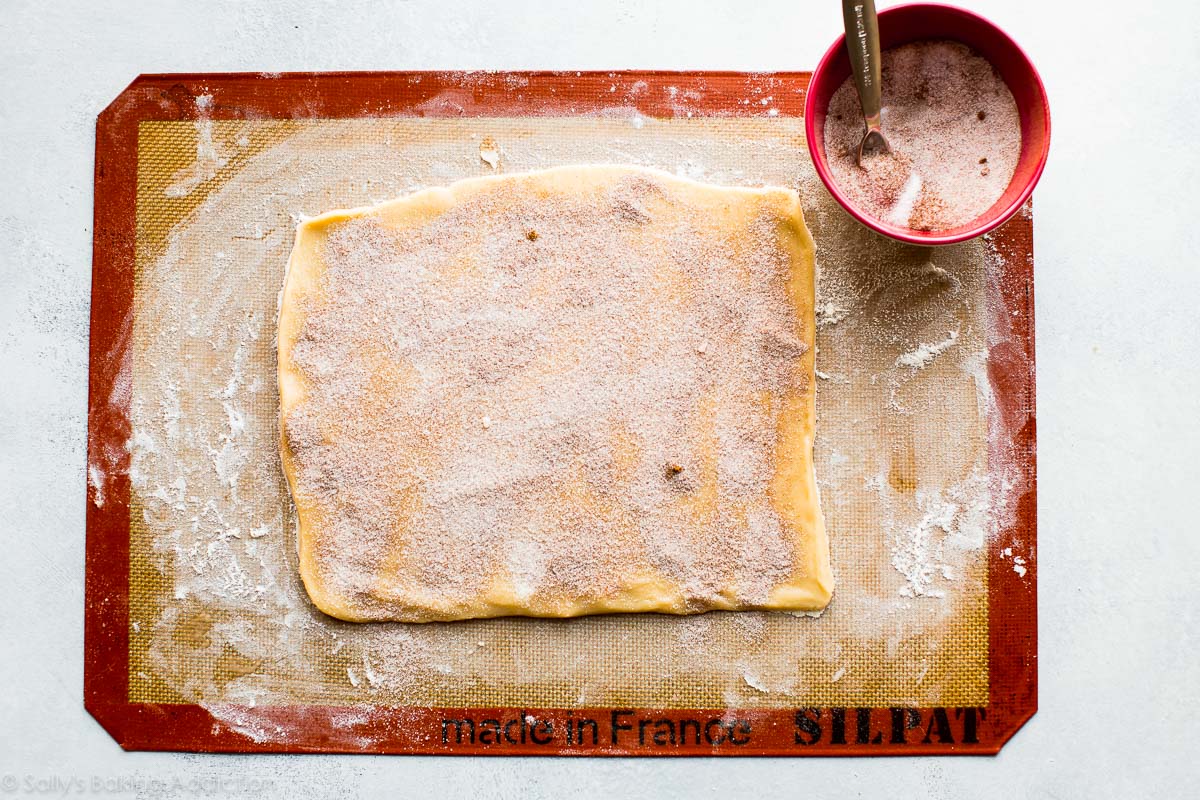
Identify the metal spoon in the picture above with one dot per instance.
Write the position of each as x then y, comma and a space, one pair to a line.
862, 43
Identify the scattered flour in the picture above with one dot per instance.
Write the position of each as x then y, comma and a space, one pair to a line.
210, 158
1019, 564
922, 356
96, 481
829, 312
489, 152
917, 552
754, 682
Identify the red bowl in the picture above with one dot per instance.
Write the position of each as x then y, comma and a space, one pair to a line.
913, 22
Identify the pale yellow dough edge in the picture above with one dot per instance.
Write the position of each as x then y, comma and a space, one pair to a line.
795, 498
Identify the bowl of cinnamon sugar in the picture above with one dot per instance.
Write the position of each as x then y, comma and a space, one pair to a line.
966, 116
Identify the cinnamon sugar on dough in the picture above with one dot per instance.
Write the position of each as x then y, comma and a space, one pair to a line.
613, 415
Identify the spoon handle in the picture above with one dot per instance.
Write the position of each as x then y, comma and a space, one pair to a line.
862, 43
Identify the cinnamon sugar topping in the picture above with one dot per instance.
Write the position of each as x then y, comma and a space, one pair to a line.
946, 112
512, 410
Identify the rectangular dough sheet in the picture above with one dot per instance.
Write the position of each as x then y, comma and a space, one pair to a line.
577, 391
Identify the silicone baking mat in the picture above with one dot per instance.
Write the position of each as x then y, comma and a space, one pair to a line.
199, 635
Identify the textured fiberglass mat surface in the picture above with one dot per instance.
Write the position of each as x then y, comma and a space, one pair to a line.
910, 487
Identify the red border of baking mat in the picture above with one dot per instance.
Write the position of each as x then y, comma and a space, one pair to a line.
1012, 599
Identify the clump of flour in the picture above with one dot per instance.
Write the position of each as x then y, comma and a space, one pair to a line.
921, 357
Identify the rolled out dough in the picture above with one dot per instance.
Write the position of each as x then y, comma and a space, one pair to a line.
576, 391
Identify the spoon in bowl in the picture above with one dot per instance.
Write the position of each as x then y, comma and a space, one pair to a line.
862, 44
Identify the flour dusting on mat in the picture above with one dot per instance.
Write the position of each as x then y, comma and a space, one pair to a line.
489, 152
218, 615
920, 357
210, 157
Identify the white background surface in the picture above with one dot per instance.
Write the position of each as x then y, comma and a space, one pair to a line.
1118, 293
